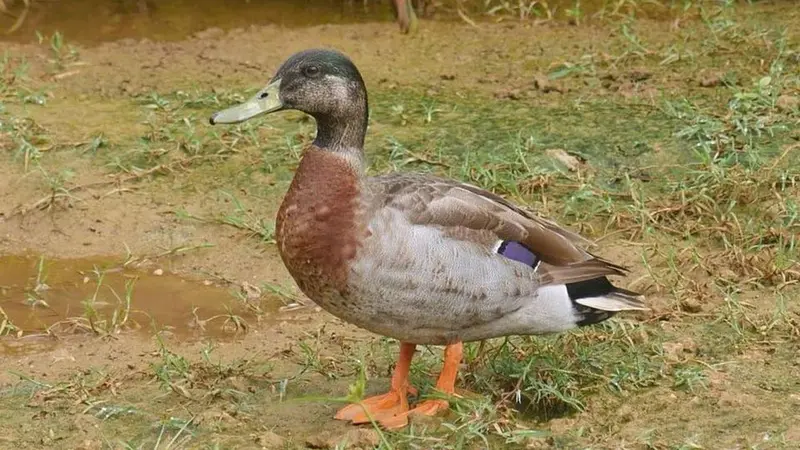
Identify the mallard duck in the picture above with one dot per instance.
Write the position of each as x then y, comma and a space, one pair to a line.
418, 258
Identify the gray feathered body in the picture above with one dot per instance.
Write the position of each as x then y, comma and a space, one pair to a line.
427, 270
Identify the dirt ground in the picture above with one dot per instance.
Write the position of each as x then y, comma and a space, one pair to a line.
221, 351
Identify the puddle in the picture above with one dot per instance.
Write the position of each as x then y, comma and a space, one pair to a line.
166, 20
91, 296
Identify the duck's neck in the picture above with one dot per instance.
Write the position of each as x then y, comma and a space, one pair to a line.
338, 134
343, 133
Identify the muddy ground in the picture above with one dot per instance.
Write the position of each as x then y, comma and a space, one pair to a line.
144, 305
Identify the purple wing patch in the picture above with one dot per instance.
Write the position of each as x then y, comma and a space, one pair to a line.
518, 252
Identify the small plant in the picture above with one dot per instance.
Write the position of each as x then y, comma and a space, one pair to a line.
13, 72
33, 296
7, 327
522, 9
62, 54
244, 219
690, 378
172, 371
25, 137
96, 318
575, 14
230, 321
119, 315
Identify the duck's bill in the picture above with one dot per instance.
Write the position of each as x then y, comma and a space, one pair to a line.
265, 101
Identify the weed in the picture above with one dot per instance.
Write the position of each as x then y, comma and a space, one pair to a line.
7, 327
13, 73
575, 13
690, 377
62, 54
96, 319
230, 321
165, 433
26, 139
33, 296
522, 9
173, 371
243, 218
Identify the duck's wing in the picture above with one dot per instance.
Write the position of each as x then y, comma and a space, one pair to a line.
469, 213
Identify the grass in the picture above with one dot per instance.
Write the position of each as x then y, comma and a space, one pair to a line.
7, 327
693, 181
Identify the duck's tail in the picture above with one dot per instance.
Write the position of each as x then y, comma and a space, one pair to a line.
597, 299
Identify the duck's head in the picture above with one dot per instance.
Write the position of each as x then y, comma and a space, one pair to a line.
322, 83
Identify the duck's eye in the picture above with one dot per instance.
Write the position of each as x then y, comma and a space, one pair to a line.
311, 71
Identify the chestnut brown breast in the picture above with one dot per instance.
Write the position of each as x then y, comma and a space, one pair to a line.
317, 227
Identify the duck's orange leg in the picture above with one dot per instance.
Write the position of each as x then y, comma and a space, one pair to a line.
446, 382
390, 409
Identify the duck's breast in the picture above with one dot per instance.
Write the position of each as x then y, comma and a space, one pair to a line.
317, 228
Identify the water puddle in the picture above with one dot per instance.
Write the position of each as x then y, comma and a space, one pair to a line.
40, 298
90, 21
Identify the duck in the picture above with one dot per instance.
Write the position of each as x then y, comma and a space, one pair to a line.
418, 258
